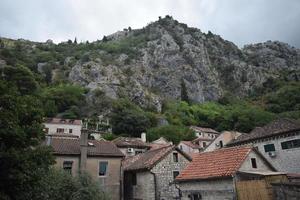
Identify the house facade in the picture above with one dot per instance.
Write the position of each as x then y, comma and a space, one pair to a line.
278, 141
205, 133
222, 140
188, 147
213, 175
151, 175
131, 146
60, 126
101, 159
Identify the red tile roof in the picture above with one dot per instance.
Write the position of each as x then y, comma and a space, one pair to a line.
276, 127
71, 146
130, 142
63, 121
147, 160
220, 163
203, 129
191, 144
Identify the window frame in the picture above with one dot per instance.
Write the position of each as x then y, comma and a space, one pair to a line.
60, 130
66, 164
290, 144
173, 173
268, 149
106, 169
253, 163
70, 130
175, 157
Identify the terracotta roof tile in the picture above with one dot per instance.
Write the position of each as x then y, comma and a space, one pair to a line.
191, 144
71, 146
130, 142
276, 127
220, 163
63, 121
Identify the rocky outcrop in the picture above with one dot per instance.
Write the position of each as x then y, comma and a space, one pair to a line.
175, 60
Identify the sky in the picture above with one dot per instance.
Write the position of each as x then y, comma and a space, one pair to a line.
240, 21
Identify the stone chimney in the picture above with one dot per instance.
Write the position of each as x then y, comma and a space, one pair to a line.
83, 148
143, 137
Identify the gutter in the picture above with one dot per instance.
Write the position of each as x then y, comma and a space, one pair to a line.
155, 184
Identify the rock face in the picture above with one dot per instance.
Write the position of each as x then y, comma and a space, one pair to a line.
168, 60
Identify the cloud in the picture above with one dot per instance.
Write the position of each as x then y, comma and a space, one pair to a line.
239, 21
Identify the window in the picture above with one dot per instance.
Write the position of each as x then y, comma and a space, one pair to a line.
195, 196
221, 143
134, 179
269, 147
138, 152
175, 157
290, 144
103, 168
175, 174
67, 166
70, 130
180, 147
204, 144
253, 162
60, 130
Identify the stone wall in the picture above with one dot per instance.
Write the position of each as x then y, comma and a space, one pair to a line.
286, 191
145, 188
164, 176
261, 164
221, 189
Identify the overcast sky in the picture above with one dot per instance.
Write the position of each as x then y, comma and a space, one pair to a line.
240, 21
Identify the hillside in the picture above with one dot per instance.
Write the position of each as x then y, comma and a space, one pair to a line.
164, 61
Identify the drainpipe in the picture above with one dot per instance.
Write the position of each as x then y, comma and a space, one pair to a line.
155, 186
83, 149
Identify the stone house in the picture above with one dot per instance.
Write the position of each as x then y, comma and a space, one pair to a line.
213, 175
101, 159
60, 126
189, 147
278, 141
205, 133
150, 175
222, 140
130, 146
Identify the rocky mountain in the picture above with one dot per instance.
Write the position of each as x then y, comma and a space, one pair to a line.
169, 60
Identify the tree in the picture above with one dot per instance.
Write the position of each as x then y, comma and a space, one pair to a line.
75, 40
104, 39
20, 134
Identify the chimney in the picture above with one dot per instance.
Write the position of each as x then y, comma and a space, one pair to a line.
83, 148
143, 137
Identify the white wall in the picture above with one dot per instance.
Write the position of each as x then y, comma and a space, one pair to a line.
261, 164
76, 129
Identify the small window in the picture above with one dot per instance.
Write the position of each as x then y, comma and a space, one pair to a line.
290, 144
138, 152
175, 157
175, 174
70, 130
253, 162
180, 147
269, 147
103, 168
134, 181
67, 166
196, 196
60, 130
221, 143
204, 144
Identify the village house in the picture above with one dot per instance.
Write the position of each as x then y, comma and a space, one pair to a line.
216, 175
189, 147
131, 146
54, 126
278, 141
101, 159
205, 133
150, 175
160, 142
222, 140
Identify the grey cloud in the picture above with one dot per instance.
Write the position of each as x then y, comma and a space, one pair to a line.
240, 21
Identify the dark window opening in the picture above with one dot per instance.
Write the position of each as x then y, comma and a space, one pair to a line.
204, 144
221, 143
175, 174
67, 166
70, 130
269, 147
290, 144
138, 152
60, 130
134, 181
253, 162
196, 196
103, 168
175, 157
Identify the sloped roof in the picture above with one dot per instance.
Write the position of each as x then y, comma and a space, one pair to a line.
147, 160
276, 127
63, 121
203, 129
191, 144
130, 142
220, 163
71, 146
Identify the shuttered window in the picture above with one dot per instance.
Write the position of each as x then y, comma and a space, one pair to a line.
269, 147
290, 144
